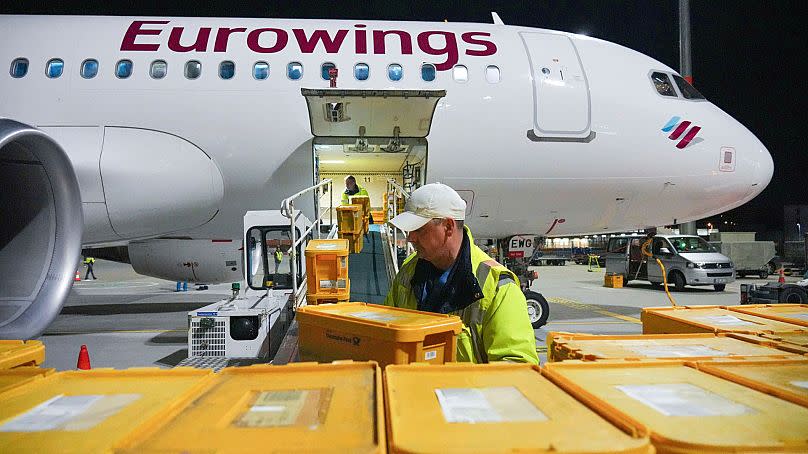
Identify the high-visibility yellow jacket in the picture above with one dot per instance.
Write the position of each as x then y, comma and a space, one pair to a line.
496, 326
278, 256
89, 260
346, 197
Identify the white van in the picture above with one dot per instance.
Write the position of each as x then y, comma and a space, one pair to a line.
688, 260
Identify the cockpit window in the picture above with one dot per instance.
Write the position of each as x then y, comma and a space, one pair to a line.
663, 85
688, 91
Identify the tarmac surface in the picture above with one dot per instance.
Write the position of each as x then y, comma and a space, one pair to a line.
128, 320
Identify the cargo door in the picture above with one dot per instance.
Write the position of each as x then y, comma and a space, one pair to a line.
371, 113
560, 89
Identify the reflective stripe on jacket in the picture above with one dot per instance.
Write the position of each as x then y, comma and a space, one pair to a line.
361, 191
495, 327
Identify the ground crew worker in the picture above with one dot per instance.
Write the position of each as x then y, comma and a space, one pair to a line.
278, 258
351, 189
448, 274
89, 262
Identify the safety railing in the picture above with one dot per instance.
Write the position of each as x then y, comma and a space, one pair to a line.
393, 233
288, 210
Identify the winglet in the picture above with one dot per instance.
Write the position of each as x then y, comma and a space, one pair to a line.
496, 18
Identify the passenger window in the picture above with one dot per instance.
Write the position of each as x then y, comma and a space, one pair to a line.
460, 73
662, 83
361, 71
19, 68
227, 69
193, 69
395, 72
294, 70
492, 74
123, 69
89, 68
54, 68
325, 68
159, 69
428, 72
261, 70
688, 91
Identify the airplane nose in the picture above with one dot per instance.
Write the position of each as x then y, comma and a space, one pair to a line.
762, 166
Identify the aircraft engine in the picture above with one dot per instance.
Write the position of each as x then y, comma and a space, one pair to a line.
40, 229
202, 261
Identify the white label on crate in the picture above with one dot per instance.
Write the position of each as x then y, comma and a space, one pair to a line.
800, 384
294, 407
375, 316
684, 399
797, 316
676, 351
723, 320
432, 354
342, 283
325, 283
69, 413
327, 246
476, 405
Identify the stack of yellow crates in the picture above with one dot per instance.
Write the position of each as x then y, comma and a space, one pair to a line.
327, 271
364, 201
351, 226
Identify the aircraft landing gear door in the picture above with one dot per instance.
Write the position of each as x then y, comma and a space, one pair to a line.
561, 104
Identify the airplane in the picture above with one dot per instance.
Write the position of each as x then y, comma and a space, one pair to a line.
155, 135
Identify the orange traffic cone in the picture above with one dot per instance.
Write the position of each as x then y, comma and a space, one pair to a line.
78, 276
84, 359
782, 278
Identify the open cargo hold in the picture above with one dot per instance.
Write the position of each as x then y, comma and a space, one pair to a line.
684, 410
591, 347
796, 314
493, 408
785, 379
709, 319
16, 353
387, 335
92, 410
301, 407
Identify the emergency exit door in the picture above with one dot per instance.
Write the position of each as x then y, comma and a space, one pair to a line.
560, 90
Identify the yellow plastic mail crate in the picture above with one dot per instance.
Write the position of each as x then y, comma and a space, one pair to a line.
387, 335
355, 241
786, 379
492, 408
11, 378
363, 201
613, 281
349, 218
591, 347
682, 409
16, 353
796, 314
92, 410
301, 407
708, 319
327, 298
327, 268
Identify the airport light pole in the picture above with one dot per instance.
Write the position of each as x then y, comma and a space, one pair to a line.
685, 69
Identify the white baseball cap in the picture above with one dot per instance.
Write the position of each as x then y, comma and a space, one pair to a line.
431, 201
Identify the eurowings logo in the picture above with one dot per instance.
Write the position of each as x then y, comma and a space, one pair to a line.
678, 129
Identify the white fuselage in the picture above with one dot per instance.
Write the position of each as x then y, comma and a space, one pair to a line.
612, 169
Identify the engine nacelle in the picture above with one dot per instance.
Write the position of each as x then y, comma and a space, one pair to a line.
203, 261
40, 229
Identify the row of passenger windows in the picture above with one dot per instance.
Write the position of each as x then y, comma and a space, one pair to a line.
227, 70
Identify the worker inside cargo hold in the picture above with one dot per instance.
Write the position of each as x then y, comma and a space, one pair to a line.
352, 189
449, 274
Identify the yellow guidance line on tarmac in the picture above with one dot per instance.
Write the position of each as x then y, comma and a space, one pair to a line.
596, 309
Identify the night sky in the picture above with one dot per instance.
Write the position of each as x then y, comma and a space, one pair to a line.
746, 56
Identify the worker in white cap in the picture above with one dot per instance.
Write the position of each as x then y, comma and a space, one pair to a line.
448, 274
